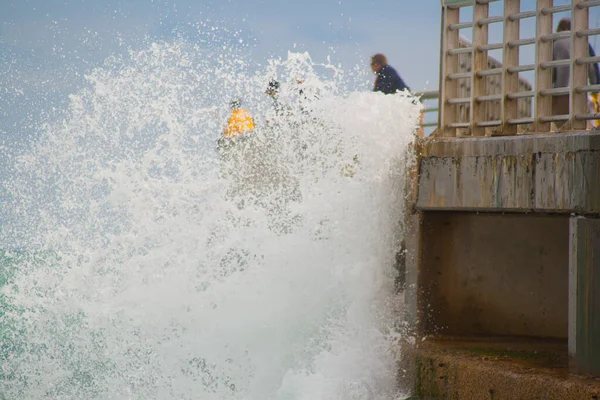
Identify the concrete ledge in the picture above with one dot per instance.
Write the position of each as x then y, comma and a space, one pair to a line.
510, 145
542, 173
498, 369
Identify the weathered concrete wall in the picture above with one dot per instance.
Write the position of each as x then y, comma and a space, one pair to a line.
494, 274
547, 173
502, 240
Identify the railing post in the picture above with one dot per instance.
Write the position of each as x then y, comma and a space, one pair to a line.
510, 58
479, 62
543, 77
579, 72
463, 88
420, 127
449, 64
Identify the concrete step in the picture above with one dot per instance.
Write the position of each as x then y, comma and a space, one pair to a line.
497, 368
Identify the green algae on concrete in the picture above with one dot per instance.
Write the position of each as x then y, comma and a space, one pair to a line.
497, 369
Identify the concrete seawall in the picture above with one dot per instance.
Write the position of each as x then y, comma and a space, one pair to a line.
504, 242
542, 173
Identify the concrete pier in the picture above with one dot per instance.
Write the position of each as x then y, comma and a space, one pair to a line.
504, 242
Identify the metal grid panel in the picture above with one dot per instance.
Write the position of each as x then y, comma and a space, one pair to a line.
481, 96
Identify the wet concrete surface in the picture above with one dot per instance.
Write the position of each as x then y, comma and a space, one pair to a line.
497, 368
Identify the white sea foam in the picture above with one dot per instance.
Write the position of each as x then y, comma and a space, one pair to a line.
164, 270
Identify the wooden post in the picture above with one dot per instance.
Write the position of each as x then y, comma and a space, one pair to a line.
449, 64
543, 77
463, 88
439, 130
479, 62
579, 73
510, 58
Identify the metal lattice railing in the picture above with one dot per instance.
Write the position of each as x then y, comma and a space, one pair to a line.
469, 114
493, 86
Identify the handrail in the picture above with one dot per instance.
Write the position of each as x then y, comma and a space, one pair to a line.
428, 95
424, 96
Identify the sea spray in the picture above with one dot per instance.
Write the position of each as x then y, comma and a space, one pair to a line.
170, 270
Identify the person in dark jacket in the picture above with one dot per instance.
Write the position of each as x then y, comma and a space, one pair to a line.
387, 79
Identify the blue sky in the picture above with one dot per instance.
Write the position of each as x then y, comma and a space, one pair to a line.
46, 42
47, 45
55, 32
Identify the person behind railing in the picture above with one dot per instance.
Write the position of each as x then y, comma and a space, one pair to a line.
594, 96
561, 74
387, 80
